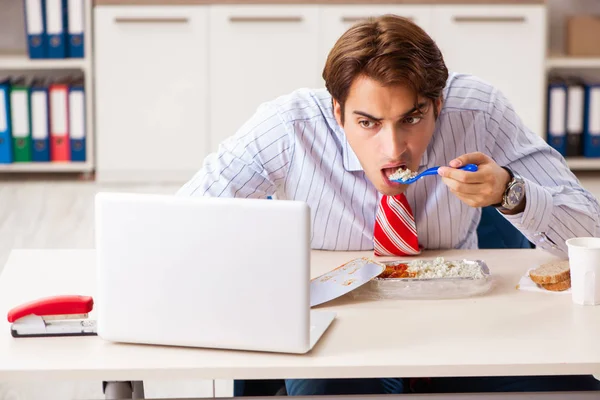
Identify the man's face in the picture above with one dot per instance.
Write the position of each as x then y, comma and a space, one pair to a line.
385, 131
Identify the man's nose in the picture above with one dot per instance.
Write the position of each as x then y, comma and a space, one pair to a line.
393, 144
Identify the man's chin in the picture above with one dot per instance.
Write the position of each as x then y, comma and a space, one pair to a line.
393, 190
387, 187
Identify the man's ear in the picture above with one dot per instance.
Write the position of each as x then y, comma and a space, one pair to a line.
337, 112
438, 106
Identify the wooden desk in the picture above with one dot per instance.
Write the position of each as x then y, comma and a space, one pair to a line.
506, 332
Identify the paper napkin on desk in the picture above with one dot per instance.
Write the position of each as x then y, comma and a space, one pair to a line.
527, 284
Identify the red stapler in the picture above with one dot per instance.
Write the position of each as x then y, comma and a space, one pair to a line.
53, 316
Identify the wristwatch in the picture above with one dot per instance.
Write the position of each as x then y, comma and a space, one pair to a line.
514, 193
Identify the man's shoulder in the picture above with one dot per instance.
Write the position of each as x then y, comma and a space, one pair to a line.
303, 104
468, 93
293, 113
297, 110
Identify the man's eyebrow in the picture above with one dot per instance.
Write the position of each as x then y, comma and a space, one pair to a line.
413, 110
364, 114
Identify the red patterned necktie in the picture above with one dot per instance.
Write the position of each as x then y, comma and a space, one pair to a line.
395, 229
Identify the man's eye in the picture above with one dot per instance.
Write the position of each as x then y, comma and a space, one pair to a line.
366, 124
412, 120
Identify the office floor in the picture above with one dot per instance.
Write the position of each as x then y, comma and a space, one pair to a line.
59, 214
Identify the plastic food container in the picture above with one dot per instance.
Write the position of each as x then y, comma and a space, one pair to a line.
401, 286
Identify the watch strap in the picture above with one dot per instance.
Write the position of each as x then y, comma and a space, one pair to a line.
512, 177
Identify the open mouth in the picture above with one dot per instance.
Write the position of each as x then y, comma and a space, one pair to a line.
398, 173
391, 172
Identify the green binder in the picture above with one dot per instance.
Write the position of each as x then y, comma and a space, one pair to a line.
20, 110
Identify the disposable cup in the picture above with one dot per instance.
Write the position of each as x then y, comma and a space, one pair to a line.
584, 262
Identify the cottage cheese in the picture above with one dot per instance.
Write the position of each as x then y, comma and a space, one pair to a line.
402, 174
439, 268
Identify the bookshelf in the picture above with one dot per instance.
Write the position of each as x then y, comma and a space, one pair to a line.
587, 68
21, 62
583, 164
17, 62
47, 167
561, 61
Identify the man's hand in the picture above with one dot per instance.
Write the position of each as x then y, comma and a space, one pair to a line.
482, 188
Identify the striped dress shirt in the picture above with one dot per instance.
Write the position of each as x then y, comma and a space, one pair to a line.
293, 148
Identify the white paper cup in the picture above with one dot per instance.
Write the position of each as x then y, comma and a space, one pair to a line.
584, 261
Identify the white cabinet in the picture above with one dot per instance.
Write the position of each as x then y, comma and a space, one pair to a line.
337, 19
504, 45
258, 52
172, 82
152, 91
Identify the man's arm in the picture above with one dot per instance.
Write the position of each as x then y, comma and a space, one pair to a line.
249, 164
556, 206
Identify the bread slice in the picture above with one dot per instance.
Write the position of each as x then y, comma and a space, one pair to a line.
558, 287
553, 272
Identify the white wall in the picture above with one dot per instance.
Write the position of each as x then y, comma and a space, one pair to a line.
12, 23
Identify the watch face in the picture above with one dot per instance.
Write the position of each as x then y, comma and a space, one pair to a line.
515, 195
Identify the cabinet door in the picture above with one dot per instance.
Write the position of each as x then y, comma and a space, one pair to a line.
504, 45
151, 87
257, 52
337, 19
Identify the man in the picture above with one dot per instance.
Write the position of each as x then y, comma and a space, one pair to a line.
390, 104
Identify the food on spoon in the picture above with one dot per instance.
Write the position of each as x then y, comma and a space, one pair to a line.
436, 268
402, 174
554, 276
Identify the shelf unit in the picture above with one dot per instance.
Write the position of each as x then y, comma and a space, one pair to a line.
47, 167
22, 62
584, 65
583, 164
554, 62
19, 63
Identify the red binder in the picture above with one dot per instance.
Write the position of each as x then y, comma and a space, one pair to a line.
60, 149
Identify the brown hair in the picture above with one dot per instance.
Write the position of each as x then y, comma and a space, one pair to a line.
391, 50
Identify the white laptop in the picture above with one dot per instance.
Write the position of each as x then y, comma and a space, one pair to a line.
205, 272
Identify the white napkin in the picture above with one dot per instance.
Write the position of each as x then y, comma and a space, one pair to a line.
527, 284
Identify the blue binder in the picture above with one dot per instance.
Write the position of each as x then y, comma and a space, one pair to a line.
40, 122
35, 27
76, 21
557, 117
56, 28
575, 115
6, 155
77, 131
591, 135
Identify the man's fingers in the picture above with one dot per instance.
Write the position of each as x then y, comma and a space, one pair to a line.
466, 188
462, 176
477, 189
476, 158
